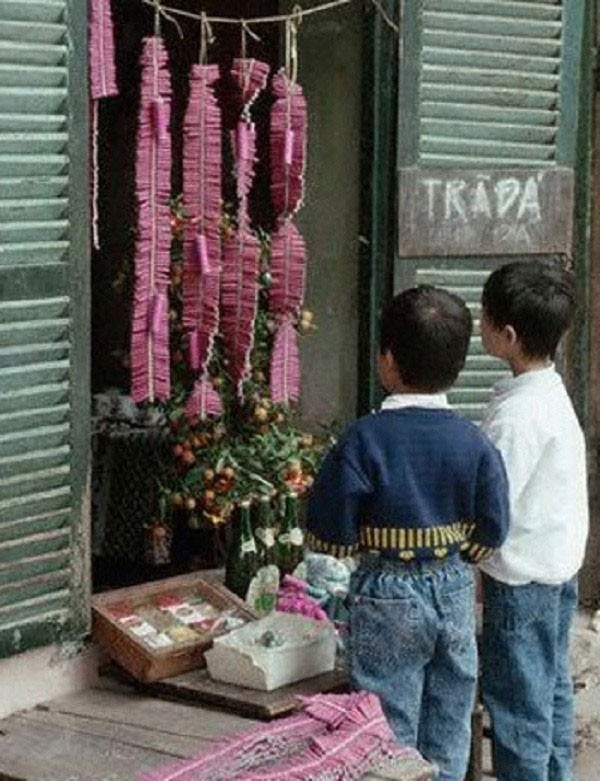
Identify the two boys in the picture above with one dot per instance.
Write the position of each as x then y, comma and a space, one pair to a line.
421, 493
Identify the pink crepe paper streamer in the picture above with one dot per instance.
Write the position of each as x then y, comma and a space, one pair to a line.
102, 83
204, 401
285, 365
288, 145
250, 78
202, 174
287, 267
239, 302
337, 737
150, 369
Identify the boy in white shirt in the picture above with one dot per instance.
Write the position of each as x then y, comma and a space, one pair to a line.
529, 585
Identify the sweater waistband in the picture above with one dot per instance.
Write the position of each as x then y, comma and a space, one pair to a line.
408, 544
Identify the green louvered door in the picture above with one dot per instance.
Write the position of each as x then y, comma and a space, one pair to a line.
44, 300
488, 123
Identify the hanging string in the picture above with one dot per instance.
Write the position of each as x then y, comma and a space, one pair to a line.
385, 16
206, 38
95, 176
162, 10
247, 31
291, 45
157, 12
168, 12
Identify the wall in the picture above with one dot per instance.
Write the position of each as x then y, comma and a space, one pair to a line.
330, 73
45, 674
590, 576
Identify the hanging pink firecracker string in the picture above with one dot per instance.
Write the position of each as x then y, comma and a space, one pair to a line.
102, 84
285, 364
288, 263
244, 147
288, 145
239, 301
288, 251
103, 78
202, 173
250, 77
150, 367
241, 250
204, 401
288, 256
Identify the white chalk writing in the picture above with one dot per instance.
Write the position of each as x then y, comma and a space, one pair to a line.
461, 200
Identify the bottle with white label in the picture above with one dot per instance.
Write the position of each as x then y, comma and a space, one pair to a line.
290, 542
264, 531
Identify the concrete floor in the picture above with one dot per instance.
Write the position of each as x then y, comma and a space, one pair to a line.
586, 670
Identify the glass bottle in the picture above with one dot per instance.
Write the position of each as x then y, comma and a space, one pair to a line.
291, 538
264, 532
242, 559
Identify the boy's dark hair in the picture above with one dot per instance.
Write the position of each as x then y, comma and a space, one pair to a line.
427, 330
537, 298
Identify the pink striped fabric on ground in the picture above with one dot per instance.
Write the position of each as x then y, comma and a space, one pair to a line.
150, 366
334, 738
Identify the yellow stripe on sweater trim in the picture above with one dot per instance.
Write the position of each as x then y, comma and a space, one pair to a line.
409, 543
330, 548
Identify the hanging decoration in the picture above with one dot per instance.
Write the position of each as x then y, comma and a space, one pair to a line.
102, 82
241, 249
150, 327
288, 251
202, 240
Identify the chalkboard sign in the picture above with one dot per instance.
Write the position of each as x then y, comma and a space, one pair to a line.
447, 212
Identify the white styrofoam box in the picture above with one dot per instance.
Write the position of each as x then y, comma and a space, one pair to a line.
240, 658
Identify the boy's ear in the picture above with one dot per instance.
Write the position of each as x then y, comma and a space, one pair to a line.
510, 335
386, 368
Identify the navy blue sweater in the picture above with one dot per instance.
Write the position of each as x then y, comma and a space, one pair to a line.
410, 483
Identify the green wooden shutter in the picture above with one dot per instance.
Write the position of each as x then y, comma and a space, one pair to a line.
488, 95
44, 331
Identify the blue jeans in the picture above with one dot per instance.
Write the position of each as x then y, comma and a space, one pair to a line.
412, 642
526, 684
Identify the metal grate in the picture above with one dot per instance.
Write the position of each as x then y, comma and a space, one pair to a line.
489, 90
128, 464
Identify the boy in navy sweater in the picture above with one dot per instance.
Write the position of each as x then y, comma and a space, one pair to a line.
419, 493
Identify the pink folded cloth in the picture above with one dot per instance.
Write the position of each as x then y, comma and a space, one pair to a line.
293, 598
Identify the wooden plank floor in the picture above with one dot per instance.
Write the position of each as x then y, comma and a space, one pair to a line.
114, 734
106, 734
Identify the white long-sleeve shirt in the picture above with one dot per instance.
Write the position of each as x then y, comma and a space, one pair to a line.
532, 423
